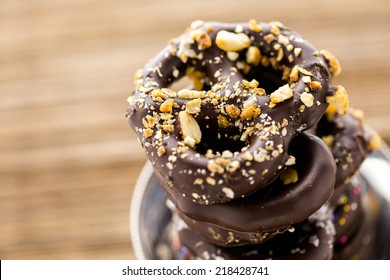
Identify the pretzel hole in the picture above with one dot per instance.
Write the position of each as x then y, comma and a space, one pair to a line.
224, 139
186, 82
268, 78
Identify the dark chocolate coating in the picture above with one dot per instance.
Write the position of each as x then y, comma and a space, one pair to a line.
311, 239
350, 143
191, 173
358, 244
271, 210
349, 213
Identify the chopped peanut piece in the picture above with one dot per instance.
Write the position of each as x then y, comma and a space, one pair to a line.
193, 106
307, 99
190, 94
269, 38
315, 86
291, 161
252, 84
249, 112
332, 61
168, 128
289, 175
280, 55
212, 166
294, 74
229, 41
189, 141
297, 51
228, 192
253, 55
223, 122
339, 100
158, 93
211, 181
166, 106
281, 94
329, 140
233, 55
148, 132
375, 141
202, 38
233, 111
149, 121
189, 128
161, 151
254, 26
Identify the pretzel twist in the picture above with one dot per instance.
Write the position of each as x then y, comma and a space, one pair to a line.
255, 87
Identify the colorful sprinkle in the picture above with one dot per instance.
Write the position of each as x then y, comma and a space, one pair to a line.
356, 191
343, 199
354, 206
343, 239
342, 221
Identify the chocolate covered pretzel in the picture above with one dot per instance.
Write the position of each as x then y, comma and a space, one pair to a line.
256, 86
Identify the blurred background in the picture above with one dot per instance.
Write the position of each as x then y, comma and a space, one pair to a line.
68, 159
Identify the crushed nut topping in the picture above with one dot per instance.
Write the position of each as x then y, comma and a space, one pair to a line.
291, 161
233, 111
193, 106
158, 95
315, 86
190, 94
329, 140
254, 26
148, 132
189, 128
281, 94
251, 85
375, 141
269, 38
233, 55
289, 176
149, 121
307, 99
212, 166
161, 151
229, 41
202, 39
228, 192
253, 55
224, 122
166, 106
250, 112
334, 64
339, 100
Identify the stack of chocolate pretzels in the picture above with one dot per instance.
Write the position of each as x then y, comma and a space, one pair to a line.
260, 153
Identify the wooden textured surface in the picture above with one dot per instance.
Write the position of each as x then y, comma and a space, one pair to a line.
68, 158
